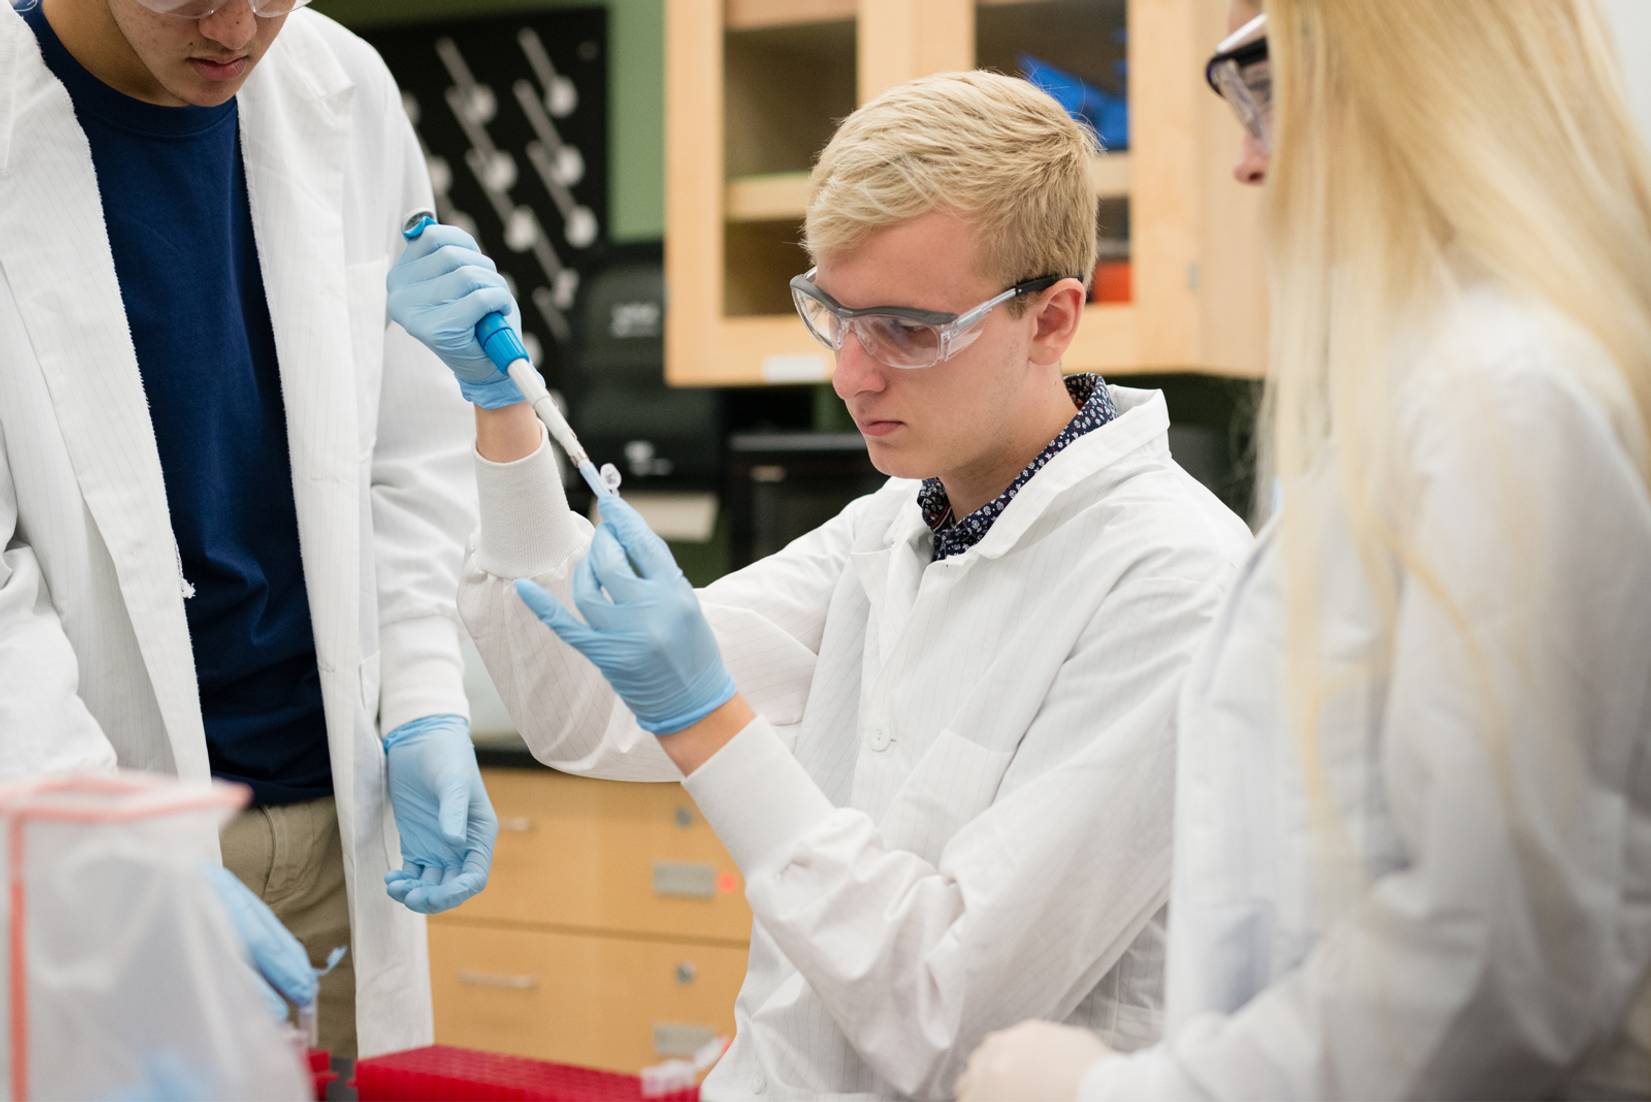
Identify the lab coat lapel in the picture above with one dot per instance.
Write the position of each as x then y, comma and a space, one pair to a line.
890, 573
1142, 422
60, 269
292, 134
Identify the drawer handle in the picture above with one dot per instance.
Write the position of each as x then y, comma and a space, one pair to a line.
685, 880
487, 979
517, 824
686, 973
680, 1038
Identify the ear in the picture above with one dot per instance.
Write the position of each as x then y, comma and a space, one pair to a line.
1056, 312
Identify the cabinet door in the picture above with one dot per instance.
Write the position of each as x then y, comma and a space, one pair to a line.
904, 39
594, 1000
755, 88
693, 184
607, 855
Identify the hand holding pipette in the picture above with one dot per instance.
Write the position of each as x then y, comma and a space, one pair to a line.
438, 289
449, 296
642, 625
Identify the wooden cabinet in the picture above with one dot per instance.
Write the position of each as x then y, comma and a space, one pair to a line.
755, 87
590, 999
612, 933
604, 855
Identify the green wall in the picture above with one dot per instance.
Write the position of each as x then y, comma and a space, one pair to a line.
636, 90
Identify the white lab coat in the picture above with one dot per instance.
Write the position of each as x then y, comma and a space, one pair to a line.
1473, 916
95, 658
955, 809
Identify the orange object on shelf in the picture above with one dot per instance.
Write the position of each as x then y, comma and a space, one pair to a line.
1111, 282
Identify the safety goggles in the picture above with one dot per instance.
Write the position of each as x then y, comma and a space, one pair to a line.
200, 9
897, 335
1241, 74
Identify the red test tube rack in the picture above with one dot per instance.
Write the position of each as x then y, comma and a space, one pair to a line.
442, 1073
321, 1072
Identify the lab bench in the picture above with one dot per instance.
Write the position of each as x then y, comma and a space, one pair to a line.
613, 931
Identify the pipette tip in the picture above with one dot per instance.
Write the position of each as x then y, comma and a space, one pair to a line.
603, 483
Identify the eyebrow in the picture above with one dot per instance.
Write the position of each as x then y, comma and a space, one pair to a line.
890, 305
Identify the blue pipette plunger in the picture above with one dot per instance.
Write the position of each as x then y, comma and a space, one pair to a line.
504, 347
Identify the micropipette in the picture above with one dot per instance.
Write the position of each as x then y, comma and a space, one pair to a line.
505, 349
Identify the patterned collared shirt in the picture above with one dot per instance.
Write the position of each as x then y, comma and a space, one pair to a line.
953, 536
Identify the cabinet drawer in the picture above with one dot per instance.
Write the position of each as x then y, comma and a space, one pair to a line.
609, 1002
607, 855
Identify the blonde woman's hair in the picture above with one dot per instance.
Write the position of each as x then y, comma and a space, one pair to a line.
992, 149
1421, 145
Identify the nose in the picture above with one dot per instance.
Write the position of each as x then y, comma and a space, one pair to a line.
1251, 167
857, 372
231, 26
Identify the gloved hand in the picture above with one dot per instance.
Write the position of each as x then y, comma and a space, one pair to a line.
280, 961
442, 286
1034, 1061
646, 633
443, 815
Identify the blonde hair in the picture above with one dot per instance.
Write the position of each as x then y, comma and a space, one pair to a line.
991, 149
1418, 140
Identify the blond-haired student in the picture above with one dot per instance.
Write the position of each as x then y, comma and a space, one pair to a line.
945, 770
1413, 820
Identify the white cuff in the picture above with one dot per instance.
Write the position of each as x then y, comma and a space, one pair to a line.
758, 798
421, 671
526, 529
1124, 1077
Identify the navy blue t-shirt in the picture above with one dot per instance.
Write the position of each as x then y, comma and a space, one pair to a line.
175, 204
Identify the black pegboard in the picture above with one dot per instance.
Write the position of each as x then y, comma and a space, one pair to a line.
512, 114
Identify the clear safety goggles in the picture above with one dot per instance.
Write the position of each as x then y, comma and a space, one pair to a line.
897, 335
200, 9
1241, 74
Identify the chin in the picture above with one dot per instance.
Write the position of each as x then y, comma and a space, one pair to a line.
896, 462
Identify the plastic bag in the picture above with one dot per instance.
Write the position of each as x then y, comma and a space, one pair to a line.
119, 977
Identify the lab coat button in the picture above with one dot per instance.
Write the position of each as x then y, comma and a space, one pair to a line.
758, 1084
878, 738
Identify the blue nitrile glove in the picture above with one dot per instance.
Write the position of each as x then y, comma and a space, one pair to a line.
443, 815
646, 633
282, 966
439, 289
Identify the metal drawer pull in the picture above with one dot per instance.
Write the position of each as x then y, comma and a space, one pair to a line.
685, 880
686, 973
519, 824
679, 1039
487, 979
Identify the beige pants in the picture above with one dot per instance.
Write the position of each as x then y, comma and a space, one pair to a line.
292, 858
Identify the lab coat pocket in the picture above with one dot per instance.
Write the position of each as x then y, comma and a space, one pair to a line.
367, 298
955, 780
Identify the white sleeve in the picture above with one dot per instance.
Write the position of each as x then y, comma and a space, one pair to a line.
423, 502
1516, 762
1030, 903
44, 725
768, 620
